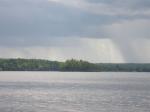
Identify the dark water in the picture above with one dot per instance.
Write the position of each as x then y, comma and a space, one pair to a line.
74, 92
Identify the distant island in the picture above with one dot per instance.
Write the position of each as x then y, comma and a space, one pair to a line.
71, 65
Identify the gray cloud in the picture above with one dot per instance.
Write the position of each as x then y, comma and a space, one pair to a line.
110, 7
127, 4
134, 50
29, 23
23, 19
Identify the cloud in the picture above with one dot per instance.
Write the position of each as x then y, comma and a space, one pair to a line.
129, 29
86, 49
25, 21
132, 38
64, 24
134, 50
109, 7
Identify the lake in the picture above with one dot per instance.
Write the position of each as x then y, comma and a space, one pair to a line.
74, 92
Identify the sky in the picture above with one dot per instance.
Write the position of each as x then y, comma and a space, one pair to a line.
101, 31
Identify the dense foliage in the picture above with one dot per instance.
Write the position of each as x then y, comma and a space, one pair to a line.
69, 65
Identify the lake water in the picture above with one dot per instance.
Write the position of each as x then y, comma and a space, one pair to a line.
74, 92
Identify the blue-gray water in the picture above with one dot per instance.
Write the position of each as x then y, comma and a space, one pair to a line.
74, 92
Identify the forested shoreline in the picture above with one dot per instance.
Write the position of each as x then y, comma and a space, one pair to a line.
70, 65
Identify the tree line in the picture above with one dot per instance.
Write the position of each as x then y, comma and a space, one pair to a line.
69, 65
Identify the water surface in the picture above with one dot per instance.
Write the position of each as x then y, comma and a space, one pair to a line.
74, 92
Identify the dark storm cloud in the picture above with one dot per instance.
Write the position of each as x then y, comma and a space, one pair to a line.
27, 21
68, 24
128, 4
134, 4
30, 22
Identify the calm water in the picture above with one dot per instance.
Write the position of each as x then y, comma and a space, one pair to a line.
74, 92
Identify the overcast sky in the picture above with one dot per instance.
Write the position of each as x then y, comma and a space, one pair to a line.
93, 30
